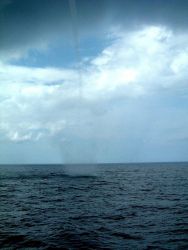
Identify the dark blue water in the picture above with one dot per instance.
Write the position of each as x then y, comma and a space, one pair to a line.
137, 206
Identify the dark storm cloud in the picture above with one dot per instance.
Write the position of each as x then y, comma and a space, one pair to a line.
26, 23
167, 12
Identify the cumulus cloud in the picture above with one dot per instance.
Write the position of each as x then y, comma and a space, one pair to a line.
116, 85
142, 61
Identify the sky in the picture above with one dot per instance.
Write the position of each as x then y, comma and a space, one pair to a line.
90, 81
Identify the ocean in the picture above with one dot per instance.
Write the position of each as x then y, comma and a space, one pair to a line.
116, 206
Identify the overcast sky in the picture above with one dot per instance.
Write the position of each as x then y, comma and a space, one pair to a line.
106, 81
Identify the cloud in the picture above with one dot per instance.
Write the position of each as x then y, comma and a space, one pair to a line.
37, 24
39, 102
142, 62
133, 99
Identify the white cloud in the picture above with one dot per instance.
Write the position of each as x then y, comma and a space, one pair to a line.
11, 74
139, 63
180, 63
37, 103
31, 130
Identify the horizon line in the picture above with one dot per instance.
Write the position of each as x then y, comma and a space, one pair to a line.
97, 163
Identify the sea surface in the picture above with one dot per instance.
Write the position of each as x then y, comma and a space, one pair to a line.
115, 206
